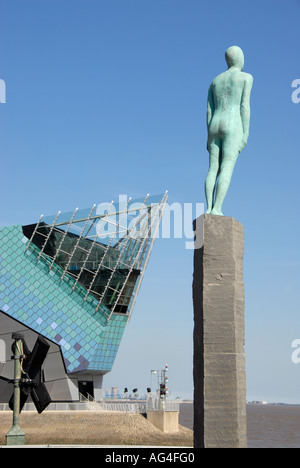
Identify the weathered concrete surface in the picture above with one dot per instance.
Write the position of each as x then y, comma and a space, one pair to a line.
219, 333
166, 421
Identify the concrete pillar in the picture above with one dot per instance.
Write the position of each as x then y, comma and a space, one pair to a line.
98, 382
219, 331
166, 421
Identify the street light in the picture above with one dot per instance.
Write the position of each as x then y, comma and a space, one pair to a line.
27, 382
153, 372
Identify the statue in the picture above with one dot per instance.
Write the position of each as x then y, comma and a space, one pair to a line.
228, 119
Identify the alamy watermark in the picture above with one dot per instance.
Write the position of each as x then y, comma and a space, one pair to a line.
296, 94
296, 353
2, 92
138, 219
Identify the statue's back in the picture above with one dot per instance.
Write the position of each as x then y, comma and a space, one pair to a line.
228, 88
227, 93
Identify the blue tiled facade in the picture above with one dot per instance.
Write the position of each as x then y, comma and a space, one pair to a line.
46, 303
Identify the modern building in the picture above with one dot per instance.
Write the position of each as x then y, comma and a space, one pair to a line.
73, 278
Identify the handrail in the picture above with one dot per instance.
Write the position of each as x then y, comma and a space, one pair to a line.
84, 398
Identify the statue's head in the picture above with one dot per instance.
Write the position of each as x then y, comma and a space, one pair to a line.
234, 57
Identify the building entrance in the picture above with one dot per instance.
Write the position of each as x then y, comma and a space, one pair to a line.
86, 388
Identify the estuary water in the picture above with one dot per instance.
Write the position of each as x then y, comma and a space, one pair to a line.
269, 426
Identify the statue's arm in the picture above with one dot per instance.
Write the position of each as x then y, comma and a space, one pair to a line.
210, 108
245, 108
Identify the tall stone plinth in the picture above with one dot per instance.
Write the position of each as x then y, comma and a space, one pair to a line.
219, 334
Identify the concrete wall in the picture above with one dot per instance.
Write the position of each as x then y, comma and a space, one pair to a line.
166, 421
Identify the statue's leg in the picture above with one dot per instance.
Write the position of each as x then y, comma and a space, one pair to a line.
214, 164
229, 157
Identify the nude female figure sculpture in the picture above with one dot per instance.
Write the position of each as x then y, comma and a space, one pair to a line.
228, 119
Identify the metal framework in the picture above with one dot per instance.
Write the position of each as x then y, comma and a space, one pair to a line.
105, 253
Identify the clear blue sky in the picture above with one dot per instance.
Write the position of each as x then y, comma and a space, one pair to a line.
108, 97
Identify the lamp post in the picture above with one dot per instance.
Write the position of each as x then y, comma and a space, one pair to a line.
15, 435
151, 374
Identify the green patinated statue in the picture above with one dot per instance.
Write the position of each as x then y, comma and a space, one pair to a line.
228, 119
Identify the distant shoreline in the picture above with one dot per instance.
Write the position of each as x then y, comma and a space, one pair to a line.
257, 403
253, 403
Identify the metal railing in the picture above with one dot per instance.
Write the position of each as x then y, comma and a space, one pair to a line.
138, 407
86, 398
152, 404
142, 407
157, 404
